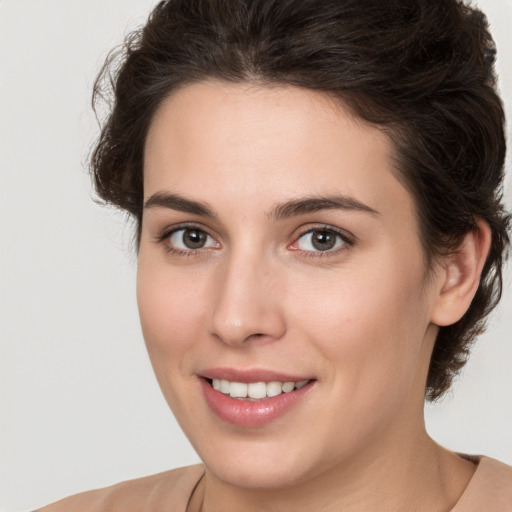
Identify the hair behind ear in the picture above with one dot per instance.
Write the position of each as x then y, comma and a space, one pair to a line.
462, 275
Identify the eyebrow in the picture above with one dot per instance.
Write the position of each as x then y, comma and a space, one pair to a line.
179, 203
292, 208
315, 204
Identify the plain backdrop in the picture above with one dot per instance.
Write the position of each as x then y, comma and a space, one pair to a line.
80, 407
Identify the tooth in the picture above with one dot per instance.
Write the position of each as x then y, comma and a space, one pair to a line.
288, 386
238, 390
257, 390
224, 386
274, 388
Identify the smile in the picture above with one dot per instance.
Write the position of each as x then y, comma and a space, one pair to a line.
253, 398
256, 390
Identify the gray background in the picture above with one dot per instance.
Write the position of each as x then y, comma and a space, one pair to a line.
80, 407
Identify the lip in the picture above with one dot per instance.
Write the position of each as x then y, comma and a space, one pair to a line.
253, 375
248, 413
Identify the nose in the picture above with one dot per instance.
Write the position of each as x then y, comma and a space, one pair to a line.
246, 302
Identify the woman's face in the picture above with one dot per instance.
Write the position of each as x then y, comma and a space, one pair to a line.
278, 246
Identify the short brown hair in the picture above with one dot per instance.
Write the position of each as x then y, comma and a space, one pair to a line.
421, 70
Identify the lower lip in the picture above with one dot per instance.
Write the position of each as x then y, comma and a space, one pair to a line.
251, 413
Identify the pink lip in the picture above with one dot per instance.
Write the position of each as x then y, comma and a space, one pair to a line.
254, 375
248, 413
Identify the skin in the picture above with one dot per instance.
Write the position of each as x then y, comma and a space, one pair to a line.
361, 318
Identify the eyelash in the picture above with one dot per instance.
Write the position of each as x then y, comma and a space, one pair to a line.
164, 237
346, 239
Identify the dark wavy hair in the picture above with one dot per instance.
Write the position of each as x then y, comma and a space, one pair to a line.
420, 70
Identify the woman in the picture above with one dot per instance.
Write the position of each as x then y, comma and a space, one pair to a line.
320, 238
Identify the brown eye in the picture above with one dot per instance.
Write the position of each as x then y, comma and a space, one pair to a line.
194, 239
320, 240
191, 239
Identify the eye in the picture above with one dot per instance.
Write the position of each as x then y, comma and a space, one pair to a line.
320, 240
190, 239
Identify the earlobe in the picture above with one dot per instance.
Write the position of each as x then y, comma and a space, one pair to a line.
460, 275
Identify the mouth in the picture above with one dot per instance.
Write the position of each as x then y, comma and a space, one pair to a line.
255, 390
255, 398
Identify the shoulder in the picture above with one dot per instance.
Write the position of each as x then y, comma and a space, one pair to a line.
165, 491
490, 489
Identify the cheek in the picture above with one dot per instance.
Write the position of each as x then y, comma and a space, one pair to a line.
171, 309
370, 331
369, 324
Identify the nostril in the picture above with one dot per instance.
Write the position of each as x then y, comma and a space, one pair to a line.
255, 335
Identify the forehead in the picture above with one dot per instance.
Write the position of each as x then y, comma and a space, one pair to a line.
247, 142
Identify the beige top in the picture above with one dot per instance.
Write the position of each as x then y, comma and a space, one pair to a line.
490, 490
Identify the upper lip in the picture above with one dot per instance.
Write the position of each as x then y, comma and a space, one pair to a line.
251, 375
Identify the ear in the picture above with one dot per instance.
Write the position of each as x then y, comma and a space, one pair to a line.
459, 276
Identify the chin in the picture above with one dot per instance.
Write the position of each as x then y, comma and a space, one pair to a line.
259, 464
257, 474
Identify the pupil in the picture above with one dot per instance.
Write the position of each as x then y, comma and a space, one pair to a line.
323, 240
194, 239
